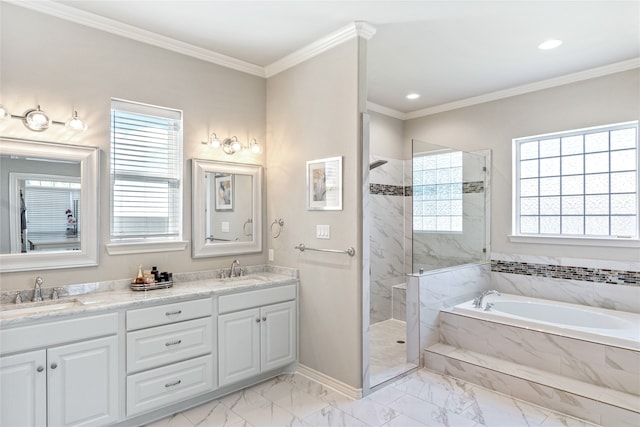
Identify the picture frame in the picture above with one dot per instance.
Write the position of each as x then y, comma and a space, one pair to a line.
224, 192
324, 184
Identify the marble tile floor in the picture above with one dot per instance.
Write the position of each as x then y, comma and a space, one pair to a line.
422, 398
387, 357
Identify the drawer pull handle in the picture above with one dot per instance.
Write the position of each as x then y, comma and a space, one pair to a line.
172, 313
173, 384
170, 343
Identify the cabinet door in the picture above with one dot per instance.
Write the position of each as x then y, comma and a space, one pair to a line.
238, 345
83, 383
278, 335
23, 389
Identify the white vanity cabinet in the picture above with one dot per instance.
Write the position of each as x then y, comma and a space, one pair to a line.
257, 332
67, 378
170, 354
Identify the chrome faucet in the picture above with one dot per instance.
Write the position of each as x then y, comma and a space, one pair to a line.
37, 291
234, 264
477, 302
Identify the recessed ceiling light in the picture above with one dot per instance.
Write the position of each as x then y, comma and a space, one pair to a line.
413, 96
550, 44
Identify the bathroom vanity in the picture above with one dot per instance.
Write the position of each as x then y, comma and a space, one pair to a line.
118, 357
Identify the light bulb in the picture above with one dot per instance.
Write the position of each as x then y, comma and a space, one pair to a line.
37, 120
214, 141
255, 147
235, 144
75, 123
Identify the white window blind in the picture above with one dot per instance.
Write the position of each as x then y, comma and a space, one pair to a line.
46, 204
581, 183
146, 171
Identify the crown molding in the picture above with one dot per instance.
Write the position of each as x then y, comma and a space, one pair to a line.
533, 87
355, 29
372, 106
129, 31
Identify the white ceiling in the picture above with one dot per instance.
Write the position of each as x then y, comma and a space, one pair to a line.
448, 51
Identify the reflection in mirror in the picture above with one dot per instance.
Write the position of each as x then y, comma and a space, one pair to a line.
50, 205
227, 208
228, 218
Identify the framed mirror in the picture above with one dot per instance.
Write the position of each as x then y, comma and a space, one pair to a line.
50, 204
227, 208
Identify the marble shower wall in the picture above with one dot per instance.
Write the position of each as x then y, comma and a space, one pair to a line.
387, 241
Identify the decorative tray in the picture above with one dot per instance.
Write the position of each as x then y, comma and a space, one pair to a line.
150, 286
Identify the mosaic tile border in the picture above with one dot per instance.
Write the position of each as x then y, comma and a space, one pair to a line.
398, 190
599, 275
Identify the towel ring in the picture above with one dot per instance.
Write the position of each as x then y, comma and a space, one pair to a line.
280, 223
244, 227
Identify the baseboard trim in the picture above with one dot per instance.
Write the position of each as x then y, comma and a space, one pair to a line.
330, 382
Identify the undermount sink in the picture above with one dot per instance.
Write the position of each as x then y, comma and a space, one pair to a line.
28, 308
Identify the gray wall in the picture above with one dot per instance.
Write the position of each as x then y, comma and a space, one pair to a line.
610, 99
65, 66
312, 113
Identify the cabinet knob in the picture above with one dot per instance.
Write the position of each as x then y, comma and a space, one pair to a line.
264, 319
54, 365
258, 320
40, 369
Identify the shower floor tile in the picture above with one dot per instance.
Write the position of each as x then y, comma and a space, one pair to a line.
387, 356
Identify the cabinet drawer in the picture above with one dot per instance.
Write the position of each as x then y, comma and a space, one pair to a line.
250, 299
162, 386
153, 347
53, 333
168, 313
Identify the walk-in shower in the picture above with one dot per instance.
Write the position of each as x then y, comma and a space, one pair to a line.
426, 212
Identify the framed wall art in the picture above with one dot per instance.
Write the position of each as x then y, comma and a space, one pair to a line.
224, 192
324, 184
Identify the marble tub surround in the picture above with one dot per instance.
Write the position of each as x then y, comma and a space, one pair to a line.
595, 363
606, 284
595, 381
434, 290
108, 295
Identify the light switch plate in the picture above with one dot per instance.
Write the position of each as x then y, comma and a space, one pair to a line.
323, 232
224, 226
270, 254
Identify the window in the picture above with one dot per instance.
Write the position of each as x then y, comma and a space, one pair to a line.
581, 183
146, 172
437, 192
52, 206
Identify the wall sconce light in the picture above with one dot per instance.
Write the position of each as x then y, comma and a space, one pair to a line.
3, 113
232, 145
37, 120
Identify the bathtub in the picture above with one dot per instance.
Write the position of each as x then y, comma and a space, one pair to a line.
609, 327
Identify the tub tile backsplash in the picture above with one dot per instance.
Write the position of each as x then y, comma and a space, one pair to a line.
599, 275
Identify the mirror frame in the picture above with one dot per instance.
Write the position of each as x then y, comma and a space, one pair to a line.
89, 158
200, 247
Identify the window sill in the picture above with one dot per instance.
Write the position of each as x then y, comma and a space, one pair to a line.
576, 241
145, 247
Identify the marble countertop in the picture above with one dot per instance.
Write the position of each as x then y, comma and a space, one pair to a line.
97, 298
